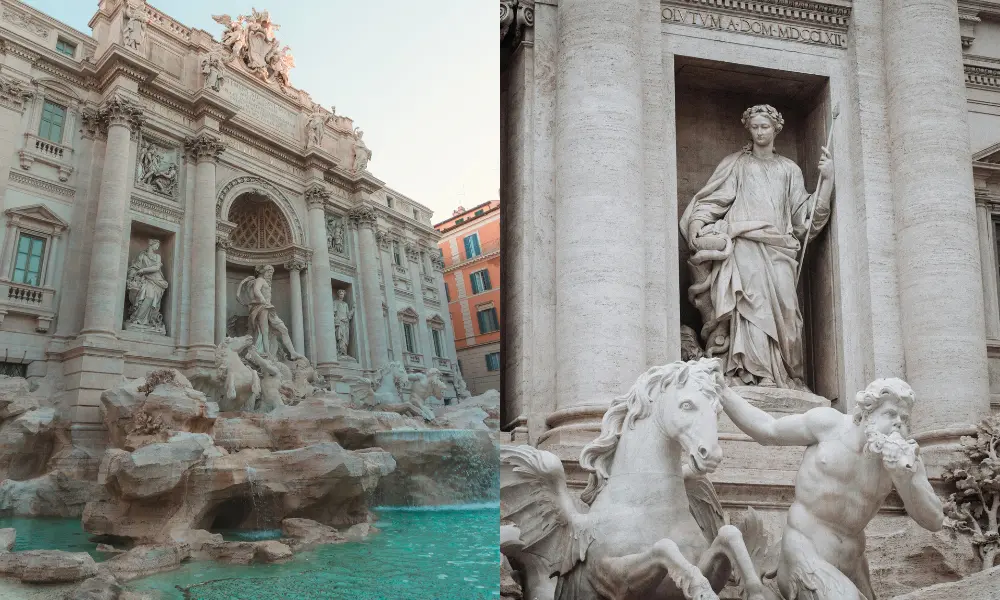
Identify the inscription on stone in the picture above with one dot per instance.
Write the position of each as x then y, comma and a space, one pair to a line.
781, 31
260, 108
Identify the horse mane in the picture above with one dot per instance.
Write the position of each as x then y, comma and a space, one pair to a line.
637, 404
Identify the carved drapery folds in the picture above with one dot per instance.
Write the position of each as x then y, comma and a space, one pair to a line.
316, 196
515, 17
119, 109
363, 215
204, 146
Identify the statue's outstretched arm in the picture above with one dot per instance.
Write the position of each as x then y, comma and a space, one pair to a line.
919, 498
793, 430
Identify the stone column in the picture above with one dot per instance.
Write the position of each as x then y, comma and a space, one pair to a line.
326, 337
295, 267
449, 328
423, 331
384, 247
221, 248
600, 282
987, 245
940, 277
364, 219
205, 149
121, 115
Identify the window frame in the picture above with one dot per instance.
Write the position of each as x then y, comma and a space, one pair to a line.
479, 320
465, 245
409, 341
65, 42
487, 358
37, 221
41, 256
486, 282
437, 339
62, 126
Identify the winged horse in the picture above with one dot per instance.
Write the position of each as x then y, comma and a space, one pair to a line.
634, 536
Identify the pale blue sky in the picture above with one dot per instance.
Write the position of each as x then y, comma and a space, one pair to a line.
421, 78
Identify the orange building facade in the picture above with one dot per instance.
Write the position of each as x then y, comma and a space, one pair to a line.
470, 246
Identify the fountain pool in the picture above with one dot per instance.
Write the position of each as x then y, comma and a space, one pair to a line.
427, 553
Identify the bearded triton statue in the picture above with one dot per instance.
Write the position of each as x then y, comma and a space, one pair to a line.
745, 229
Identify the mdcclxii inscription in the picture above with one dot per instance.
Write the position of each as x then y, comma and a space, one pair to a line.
783, 31
261, 109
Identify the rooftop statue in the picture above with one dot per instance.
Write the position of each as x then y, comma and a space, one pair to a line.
251, 40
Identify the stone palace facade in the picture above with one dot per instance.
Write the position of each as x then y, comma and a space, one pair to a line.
151, 170
614, 114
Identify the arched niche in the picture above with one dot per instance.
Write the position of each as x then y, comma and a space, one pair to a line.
258, 186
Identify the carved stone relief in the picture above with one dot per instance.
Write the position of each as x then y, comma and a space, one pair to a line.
336, 234
157, 167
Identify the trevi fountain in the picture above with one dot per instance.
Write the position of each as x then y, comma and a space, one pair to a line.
751, 320
228, 367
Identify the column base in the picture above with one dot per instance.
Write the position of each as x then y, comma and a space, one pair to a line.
91, 364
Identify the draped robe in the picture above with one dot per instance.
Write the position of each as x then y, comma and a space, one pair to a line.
746, 294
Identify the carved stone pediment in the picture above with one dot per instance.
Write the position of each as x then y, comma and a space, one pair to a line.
38, 218
408, 315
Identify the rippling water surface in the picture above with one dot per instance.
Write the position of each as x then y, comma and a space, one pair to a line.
433, 553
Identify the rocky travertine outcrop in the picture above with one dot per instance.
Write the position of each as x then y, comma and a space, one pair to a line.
904, 557
324, 419
138, 413
162, 491
436, 466
47, 566
7, 538
52, 495
984, 585
246, 553
142, 561
481, 413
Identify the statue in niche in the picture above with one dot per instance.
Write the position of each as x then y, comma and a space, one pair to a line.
316, 126
335, 234
145, 285
214, 71
745, 229
851, 464
342, 315
134, 25
155, 171
361, 152
255, 294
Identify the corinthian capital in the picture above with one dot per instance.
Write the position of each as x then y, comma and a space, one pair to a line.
316, 196
119, 109
363, 215
204, 146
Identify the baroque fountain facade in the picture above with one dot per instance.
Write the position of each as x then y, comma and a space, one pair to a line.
213, 315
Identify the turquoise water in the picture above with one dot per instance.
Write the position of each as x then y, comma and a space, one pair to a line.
432, 553
51, 534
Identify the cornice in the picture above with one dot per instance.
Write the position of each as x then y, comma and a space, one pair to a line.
156, 209
48, 186
986, 78
251, 138
118, 62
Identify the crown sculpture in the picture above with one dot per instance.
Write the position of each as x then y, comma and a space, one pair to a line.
251, 40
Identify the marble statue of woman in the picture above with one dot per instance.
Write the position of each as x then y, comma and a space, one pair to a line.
361, 152
745, 229
134, 25
342, 315
146, 285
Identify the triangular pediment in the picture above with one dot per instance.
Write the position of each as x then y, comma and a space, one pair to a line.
990, 155
37, 215
408, 314
436, 320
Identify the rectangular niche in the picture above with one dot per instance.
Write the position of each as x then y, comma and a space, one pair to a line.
352, 345
144, 290
710, 99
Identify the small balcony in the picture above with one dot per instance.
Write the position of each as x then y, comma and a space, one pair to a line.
442, 364
413, 360
400, 270
42, 150
38, 302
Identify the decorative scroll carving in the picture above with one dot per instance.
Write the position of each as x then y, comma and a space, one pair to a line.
25, 22
363, 215
119, 109
13, 93
412, 253
515, 17
316, 196
296, 264
204, 146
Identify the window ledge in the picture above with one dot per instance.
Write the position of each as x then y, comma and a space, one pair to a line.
413, 360
20, 298
442, 364
41, 150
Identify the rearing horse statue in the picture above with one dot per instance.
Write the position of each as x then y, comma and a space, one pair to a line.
633, 536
